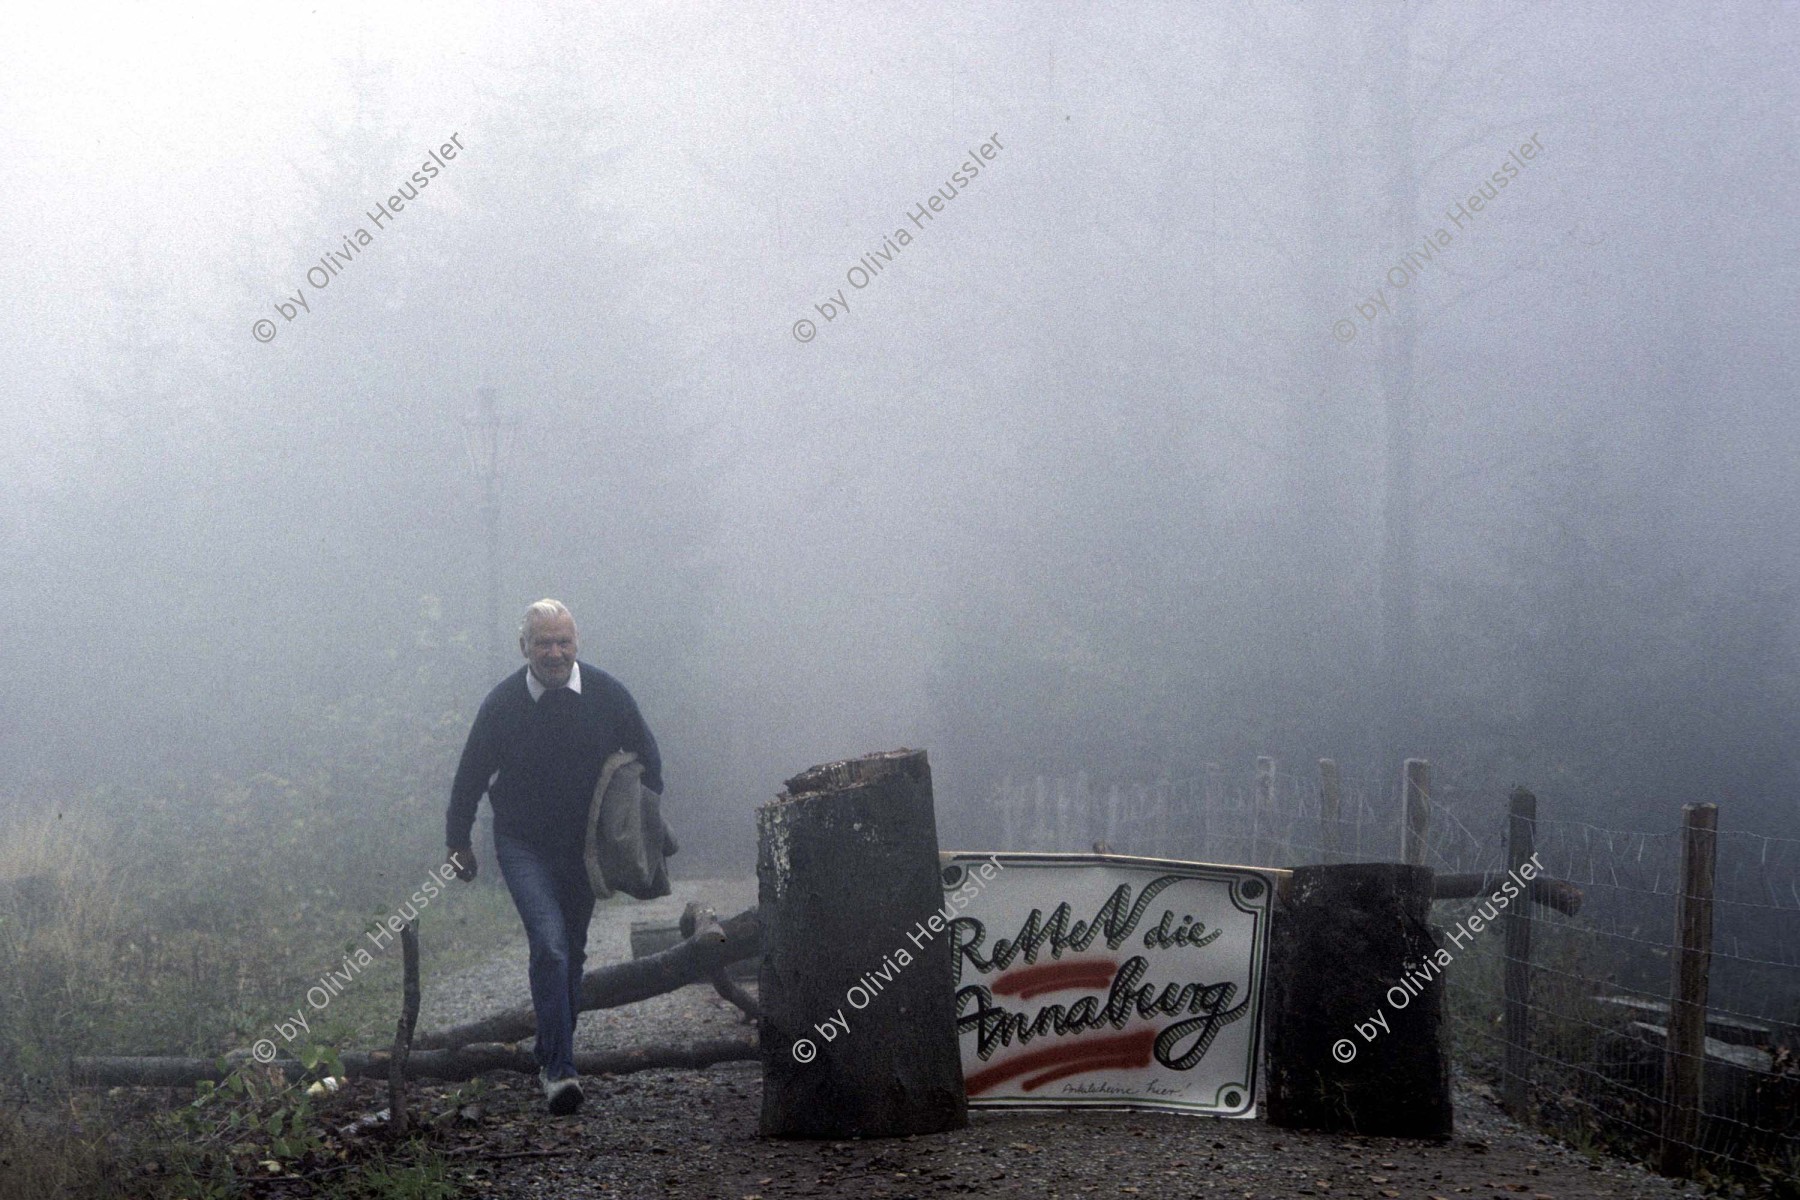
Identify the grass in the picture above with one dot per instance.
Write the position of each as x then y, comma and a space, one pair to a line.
1593, 1086
94, 959
425, 1177
188, 918
113, 943
97, 956
65, 927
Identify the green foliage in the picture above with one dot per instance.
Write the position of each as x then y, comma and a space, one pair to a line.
258, 1124
74, 1162
1593, 1086
425, 1177
182, 918
187, 917
255, 1119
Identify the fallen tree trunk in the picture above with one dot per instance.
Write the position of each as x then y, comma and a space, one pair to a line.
464, 1062
465, 1051
712, 948
723, 985
1559, 894
701, 921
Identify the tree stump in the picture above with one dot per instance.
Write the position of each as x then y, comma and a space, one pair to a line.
859, 1011
1355, 1005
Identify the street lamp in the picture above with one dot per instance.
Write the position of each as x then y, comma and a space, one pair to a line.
487, 436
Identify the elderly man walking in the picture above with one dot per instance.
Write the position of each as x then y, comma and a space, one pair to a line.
536, 748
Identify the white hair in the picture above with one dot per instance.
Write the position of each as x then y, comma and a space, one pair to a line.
543, 610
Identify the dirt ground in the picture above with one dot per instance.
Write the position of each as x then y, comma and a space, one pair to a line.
694, 1133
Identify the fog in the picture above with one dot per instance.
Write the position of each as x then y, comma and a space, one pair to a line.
1191, 426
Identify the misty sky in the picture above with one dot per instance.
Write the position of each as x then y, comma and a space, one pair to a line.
1099, 418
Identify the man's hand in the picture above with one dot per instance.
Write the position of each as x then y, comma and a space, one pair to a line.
463, 859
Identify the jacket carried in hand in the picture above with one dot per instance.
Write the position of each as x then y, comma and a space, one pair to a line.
626, 842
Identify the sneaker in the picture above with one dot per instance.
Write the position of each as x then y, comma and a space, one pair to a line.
562, 1095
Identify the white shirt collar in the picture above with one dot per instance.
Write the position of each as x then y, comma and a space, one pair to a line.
537, 689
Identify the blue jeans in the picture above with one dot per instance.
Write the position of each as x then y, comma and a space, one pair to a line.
555, 902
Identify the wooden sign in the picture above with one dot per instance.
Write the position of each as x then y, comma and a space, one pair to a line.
1086, 980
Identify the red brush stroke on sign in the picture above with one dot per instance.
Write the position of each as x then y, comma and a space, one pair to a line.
1027, 982
1124, 1050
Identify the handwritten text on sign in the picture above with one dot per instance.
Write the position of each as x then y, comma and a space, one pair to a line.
1087, 980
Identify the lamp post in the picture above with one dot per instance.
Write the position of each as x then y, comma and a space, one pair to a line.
486, 437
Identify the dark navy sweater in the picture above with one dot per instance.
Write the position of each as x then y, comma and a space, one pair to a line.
538, 760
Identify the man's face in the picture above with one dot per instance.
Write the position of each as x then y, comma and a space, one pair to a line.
549, 645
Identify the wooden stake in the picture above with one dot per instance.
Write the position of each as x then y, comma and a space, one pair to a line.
1329, 784
1009, 814
1685, 1055
1416, 803
1262, 802
1045, 838
1210, 789
403, 1032
1521, 826
1559, 894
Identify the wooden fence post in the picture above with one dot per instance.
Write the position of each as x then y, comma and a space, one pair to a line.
1046, 826
1416, 806
1685, 1054
1328, 809
1211, 803
1159, 821
1088, 812
1521, 831
1261, 801
1195, 824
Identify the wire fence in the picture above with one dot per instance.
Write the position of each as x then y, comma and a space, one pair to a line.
1220, 818
1597, 1010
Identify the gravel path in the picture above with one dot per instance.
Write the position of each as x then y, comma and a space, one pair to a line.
693, 1133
